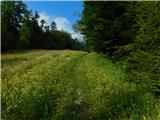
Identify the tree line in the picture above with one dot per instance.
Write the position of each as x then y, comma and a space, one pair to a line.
129, 34
20, 30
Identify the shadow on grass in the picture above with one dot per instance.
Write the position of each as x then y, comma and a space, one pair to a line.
75, 111
16, 51
132, 105
12, 61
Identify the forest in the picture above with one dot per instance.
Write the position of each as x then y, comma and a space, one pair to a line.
129, 34
21, 30
113, 74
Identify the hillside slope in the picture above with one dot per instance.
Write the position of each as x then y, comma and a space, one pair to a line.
70, 85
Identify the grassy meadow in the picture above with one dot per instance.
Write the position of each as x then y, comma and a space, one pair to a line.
70, 85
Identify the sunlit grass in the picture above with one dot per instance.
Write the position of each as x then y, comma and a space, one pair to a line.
70, 85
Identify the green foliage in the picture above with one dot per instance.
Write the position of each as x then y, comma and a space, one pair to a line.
79, 85
21, 30
148, 20
11, 17
53, 26
107, 25
128, 32
70, 85
144, 62
143, 68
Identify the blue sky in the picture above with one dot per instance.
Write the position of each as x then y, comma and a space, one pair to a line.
64, 13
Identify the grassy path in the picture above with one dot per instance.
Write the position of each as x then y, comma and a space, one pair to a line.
70, 85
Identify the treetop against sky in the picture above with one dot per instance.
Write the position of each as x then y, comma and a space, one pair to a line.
64, 13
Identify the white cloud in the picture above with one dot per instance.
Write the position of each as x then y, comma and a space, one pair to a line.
43, 15
77, 35
61, 23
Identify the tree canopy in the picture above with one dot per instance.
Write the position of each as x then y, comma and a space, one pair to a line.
127, 32
22, 30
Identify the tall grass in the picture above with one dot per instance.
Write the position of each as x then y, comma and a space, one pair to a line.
70, 85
